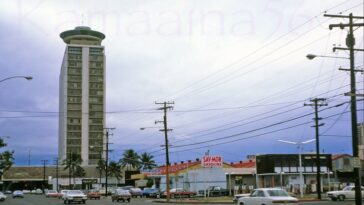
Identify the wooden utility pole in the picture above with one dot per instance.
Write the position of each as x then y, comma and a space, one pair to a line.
107, 158
166, 106
316, 103
350, 42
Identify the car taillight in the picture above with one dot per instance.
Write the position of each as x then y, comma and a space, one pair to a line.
284, 201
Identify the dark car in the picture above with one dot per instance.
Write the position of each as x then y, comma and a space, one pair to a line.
120, 195
151, 192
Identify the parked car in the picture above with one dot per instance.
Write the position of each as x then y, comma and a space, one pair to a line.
61, 193
179, 192
18, 194
120, 195
136, 192
268, 196
214, 191
347, 192
74, 196
8, 192
2, 196
94, 194
51, 193
38, 191
151, 192
26, 191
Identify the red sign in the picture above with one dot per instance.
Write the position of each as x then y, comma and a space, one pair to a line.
211, 161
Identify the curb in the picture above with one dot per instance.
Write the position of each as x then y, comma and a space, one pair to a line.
194, 202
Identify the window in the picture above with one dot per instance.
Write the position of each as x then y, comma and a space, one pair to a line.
75, 49
96, 51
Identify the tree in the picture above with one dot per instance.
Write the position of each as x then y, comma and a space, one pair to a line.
147, 161
73, 164
114, 170
130, 159
6, 158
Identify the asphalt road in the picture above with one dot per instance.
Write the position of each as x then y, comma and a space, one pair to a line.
41, 200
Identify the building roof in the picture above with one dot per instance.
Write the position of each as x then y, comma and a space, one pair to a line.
244, 164
83, 32
338, 156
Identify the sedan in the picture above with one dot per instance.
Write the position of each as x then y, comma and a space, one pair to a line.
18, 194
268, 196
51, 193
179, 192
2, 196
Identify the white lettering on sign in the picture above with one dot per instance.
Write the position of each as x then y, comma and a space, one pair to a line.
211, 161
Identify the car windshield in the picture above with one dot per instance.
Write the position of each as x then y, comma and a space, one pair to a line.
348, 188
75, 192
277, 192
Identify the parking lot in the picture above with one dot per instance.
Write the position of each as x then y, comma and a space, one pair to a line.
42, 200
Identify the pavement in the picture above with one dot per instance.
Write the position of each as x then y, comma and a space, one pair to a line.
225, 200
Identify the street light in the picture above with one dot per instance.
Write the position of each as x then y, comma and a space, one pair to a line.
312, 56
299, 147
25, 77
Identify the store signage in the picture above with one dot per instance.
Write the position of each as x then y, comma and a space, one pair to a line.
211, 161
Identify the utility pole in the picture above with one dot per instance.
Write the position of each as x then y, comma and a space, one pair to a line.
57, 167
107, 157
350, 42
166, 106
69, 169
317, 102
44, 162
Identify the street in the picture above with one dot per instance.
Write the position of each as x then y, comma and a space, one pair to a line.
41, 200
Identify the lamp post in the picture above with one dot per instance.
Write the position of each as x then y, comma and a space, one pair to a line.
17, 76
299, 147
312, 56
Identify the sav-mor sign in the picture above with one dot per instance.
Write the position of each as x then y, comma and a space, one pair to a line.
211, 161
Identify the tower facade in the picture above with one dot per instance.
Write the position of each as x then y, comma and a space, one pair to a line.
82, 96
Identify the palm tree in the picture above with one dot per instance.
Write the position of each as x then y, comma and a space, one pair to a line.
114, 170
73, 164
130, 159
147, 161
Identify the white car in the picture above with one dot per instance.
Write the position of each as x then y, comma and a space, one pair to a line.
347, 193
74, 196
268, 196
2, 196
238, 196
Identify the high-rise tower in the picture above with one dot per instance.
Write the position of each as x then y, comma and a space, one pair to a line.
82, 95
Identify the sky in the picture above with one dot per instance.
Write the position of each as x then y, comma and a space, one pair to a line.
236, 71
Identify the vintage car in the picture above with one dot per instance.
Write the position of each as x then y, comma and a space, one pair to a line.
51, 193
74, 196
347, 192
93, 194
120, 195
179, 193
268, 196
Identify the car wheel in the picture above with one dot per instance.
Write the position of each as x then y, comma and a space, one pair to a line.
341, 197
334, 199
241, 203
65, 202
84, 202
